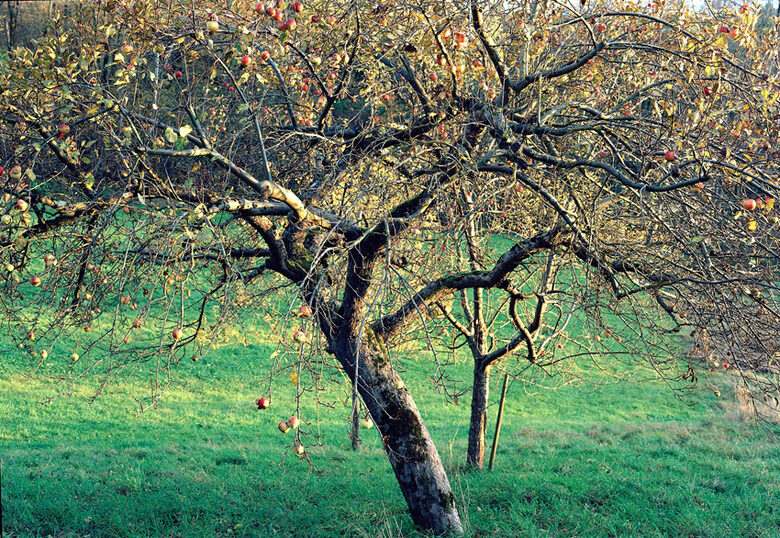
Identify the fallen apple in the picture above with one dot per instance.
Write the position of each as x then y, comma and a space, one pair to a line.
749, 204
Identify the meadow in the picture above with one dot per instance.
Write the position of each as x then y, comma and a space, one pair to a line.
595, 459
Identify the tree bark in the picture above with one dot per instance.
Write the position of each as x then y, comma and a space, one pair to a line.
412, 453
478, 425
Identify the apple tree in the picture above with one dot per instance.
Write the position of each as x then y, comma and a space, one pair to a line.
168, 166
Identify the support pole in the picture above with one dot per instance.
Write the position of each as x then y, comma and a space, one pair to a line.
498, 421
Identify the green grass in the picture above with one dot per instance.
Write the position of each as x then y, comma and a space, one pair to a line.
608, 460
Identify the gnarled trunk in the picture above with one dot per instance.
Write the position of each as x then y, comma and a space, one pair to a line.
413, 456
478, 425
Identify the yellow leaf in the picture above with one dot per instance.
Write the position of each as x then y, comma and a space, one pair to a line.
752, 225
294, 378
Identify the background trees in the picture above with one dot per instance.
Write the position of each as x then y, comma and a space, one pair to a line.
170, 167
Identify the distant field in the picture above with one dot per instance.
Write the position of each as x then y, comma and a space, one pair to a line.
620, 460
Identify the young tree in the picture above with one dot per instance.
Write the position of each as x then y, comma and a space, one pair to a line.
178, 161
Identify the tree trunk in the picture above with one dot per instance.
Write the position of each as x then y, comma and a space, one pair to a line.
478, 425
12, 22
413, 456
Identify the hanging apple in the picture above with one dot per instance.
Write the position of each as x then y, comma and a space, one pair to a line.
283, 426
262, 403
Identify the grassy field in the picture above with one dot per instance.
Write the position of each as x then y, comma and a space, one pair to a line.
613, 460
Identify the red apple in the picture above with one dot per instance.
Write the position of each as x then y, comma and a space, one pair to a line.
15, 172
290, 25
137, 322
245, 60
35, 281
299, 450
63, 129
176, 334
271, 12
707, 92
294, 422
262, 403
434, 77
299, 336
2, 170
22, 205
259, 8
670, 156
49, 260
749, 204
297, 7
283, 426
265, 55
600, 27
733, 33
177, 74
304, 311
330, 20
